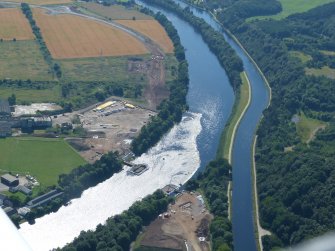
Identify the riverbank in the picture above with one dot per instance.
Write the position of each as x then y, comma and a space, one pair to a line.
242, 102
259, 231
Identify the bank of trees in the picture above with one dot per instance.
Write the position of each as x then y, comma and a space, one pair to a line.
169, 111
213, 182
78, 180
214, 39
119, 231
43, 47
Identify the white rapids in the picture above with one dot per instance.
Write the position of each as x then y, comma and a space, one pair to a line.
173, 160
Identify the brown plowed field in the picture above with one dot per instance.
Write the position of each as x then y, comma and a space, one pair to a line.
151, 29
69, 36
13, 24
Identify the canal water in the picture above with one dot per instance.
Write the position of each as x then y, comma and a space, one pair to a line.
185, 149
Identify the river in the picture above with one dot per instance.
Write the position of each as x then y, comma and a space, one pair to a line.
242, 201
185, 149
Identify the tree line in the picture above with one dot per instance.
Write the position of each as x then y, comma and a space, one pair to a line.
214, 39
213, 183
36, 30
120, 230
79, 179
169, 111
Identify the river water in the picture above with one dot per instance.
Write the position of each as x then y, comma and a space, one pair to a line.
242, 202
184, 150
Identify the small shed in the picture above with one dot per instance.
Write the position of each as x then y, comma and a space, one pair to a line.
9, 180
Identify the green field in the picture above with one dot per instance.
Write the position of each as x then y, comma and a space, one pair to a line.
240, 105
302, 56
31, 95
324, 71
306, 127
97, 69
43, 158
294, 6
22, 60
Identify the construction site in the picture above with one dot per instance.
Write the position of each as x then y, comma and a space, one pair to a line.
106, 127
185, 226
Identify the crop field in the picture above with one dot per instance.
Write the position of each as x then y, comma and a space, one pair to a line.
42, 2
23, 60
114, 12
69, 36
43, 158
296, 6
153, 30
13, 24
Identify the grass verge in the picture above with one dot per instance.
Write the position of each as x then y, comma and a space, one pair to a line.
240, 106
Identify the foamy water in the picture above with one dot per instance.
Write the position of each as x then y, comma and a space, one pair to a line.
173, 160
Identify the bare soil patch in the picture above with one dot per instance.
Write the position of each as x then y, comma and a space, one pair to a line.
185, 223
13, 24
70, 36
109, 130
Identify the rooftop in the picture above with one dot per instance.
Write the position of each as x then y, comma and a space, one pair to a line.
4, 107
9, 177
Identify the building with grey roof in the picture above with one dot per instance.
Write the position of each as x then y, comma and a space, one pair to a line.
9, 180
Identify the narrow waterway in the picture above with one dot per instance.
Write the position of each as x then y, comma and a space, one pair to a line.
185, 149
242, 203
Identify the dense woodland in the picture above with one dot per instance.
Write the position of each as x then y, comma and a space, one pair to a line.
213, 183
169, 111
295, 179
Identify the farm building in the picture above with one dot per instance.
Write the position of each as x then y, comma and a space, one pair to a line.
5, 129
9, 180
5, 112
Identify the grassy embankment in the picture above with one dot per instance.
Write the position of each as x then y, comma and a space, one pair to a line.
241, 105
290, 7
42, 158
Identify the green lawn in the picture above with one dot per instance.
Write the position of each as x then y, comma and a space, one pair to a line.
324, 71
302, 56
294, 6
240, 105
43, 158
22, 60
306, 127
32, 95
